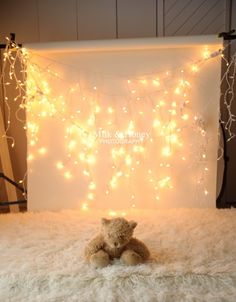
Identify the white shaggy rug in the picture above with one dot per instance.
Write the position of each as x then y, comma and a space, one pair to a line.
193, 258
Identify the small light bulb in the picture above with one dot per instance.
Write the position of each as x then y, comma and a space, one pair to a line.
185, 116
206, 53
92, 186
156, 123
59, 165
68, 175
91, 196
166, 151
144, 82
84, 206
173, 104
112, 213
86, 173
110, 110
156, 82
42, 151
177, 90
91, 159
194, 68
30, 157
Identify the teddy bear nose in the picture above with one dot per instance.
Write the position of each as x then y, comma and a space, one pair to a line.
115, 243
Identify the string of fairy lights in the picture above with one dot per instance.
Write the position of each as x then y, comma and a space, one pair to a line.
95, 123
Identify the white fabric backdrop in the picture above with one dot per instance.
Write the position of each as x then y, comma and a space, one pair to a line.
107, 65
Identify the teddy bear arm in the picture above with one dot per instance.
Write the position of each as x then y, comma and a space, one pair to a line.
95, 245
139, 247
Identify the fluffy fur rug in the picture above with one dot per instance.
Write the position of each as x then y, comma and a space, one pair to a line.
193, 258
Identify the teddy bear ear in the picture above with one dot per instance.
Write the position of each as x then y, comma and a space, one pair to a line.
132, 224
105, 221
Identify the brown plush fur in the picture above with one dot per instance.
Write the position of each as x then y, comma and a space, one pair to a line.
116, 241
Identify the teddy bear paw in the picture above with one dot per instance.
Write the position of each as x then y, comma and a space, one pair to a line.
130, 257
99, 259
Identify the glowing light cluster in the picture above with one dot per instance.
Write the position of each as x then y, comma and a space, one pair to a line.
170, 112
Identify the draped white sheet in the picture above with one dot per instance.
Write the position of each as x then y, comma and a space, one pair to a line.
99, 72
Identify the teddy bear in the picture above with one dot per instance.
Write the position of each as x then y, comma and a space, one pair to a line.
116, 241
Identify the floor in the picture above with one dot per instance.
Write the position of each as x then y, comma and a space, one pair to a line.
193, 258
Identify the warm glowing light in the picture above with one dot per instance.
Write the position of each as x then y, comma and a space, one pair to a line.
86, 173
185, 116
30, 157
81, 124
194, 68
92, 186
68, 175
72, 145
110, 110
166, 151
84, 207
138, 149
59, 165
97, 109
90, 196
131, 127
113, 182
156, 82
91, 120
128, 160
164, 182
173, 104
206, 53
156, 123
42, 151
144, 82
171, 125
177, 90
112, 213
173, 138
91, 159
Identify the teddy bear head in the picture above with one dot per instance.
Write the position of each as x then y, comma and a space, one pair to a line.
117, 231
